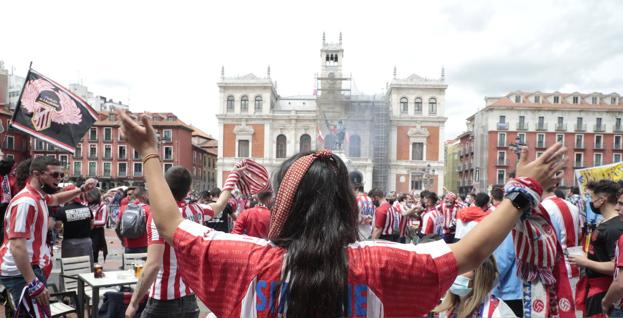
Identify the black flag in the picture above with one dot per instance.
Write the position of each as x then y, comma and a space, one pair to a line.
50, 112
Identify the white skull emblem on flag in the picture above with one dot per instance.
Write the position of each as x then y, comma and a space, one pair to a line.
49, 104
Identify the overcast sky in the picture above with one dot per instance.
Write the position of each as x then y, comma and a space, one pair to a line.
166, 56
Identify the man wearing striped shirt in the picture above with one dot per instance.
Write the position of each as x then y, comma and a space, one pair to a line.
161, 277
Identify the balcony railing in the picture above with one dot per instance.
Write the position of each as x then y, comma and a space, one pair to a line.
579, 145
541, 126
92, 157
502, 162
138, 173
522, 126
501, 143
618, 129
599, 146
541, 144
561, 127
502, 126
617, 147
599, 128
580, 127
578, 164
122, 174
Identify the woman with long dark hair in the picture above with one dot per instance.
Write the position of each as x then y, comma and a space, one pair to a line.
312, 266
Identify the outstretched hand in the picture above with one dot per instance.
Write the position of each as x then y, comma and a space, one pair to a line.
546, 169
142, 138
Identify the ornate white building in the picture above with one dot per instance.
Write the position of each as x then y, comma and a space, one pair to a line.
393, 138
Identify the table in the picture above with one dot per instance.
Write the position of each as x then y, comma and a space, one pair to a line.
112, 278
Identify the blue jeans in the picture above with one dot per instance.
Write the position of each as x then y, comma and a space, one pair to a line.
185, 307
16, 284
616, 313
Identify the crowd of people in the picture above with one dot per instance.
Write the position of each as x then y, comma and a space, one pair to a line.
317, 245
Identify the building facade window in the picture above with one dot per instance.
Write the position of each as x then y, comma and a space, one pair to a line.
522, 138
501, 176
121, 152
244, 104
93, 134
537, 99
576, 99
594, 100
556, 99
417, 151
258, 104
122, 169
168, 166
135, 155
432, 106
10, 142
540, 140
354, 146
92, 168
501, 139
107, 152
243, 148
579, 124
78, 152
617, 142
305, 143
92, 151
64, 159
107, 134
501, 157
416, 181
616, 158
579, 160
39, 145
168, 153
77, 169
404, 105
599, 144
138, 169
230, 104
418, 106
502, 119
598, 159
107, 168
167, 135
281, 146
579, 141
517, 99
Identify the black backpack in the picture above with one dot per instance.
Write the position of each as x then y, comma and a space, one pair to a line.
133, 222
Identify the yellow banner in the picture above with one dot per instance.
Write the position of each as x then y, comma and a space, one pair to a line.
612, 172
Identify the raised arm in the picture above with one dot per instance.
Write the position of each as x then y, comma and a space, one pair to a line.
163, 207
488, 234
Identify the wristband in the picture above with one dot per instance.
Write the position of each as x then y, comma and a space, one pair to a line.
232, 181
527, 188
150, 156
35, 288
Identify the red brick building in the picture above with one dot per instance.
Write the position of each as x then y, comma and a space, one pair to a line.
589, 125
13, 144
102, 153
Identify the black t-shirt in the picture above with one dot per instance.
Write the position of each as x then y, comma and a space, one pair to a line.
76, 220
221, 223
603, 243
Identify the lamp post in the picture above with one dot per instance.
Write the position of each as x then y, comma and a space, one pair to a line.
427, 176
516, 147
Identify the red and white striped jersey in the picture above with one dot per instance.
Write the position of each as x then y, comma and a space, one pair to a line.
169, 284
431, 221
26, 217
241, 276
100, 215
388, 218
565, 218
449, 215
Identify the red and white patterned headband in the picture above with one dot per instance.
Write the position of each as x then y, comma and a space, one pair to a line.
287, 191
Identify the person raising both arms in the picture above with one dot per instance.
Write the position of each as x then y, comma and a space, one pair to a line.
312, 264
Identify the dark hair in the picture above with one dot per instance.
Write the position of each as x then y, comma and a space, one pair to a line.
497, 193
94, 196
401, 197
430, 195
321, 223
376, 192
619, 193
22, 172
6, 165
125, 192
262, 196
204, 194
216, 192
559, 193
140, 193
482, 199
179, 180
41, 163
356, 179
575, 190
605, 187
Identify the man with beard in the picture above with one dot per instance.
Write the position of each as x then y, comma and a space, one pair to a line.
449, 208
9, 187
24, 255
599, 264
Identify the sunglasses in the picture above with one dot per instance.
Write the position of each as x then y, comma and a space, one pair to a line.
57, 175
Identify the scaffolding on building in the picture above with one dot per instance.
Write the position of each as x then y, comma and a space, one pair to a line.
380, 143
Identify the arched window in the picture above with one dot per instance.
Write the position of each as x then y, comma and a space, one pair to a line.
432, 106
404, 105
258, 104
418, 106
281, 146
354, 146
305, 143
230, 104
244, 104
